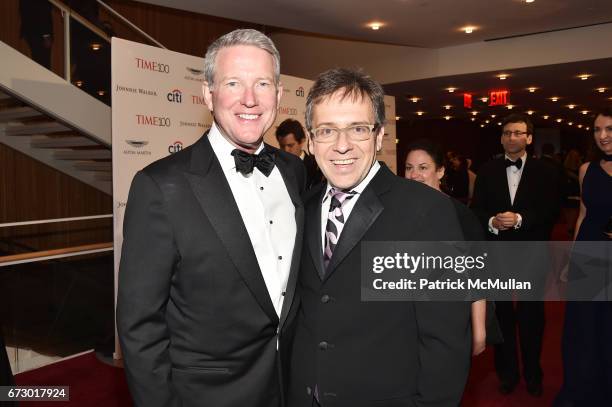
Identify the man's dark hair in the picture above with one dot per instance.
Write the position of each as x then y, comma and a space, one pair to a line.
290, 126
430, 147
351, 83
518, 118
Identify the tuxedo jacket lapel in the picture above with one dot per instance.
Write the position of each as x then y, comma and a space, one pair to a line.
292, 187
504, 190
523, 183
215, 197
313, 231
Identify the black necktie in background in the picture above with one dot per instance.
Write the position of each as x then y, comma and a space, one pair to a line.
245, 162
518, 163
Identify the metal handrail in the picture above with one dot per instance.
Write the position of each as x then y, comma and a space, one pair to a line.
131, 24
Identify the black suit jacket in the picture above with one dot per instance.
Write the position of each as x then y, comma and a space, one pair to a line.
379, 354
536, 199
196, 323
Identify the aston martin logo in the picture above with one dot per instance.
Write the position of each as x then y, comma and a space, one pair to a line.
137, 143
195, 72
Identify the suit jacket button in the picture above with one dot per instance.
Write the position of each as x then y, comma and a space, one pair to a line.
323, 345
308, 390
325, 299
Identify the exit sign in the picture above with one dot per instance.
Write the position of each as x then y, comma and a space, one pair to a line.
498, 98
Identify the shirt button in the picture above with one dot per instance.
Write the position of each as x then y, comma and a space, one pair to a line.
323, 345
280, 257
325, 299
261, 188
271, 222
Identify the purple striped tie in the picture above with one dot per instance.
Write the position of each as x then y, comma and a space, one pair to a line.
335, 221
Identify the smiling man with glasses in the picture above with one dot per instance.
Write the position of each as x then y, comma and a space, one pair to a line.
517, 199
348, 352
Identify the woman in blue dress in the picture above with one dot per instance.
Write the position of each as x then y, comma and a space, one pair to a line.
587, 334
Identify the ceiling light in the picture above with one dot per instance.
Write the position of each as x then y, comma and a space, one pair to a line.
375, 25
473, 119
579, 126
414, 99
482, 125
419, 113
571, 123
502, 76
587, 128
78, 83
493, 115
484, 99
584, 76
447, 117
529, 1
499, 123
474, 113
585, 112
559, 120
601, 90
468, 29
397, 118
571, 106
545, 117
96, 46
529, 112
451, 90
101, 92
554, 98
487, 122
447, 107
532, 89
509, 107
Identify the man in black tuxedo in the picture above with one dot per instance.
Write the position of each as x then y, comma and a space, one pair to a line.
212, 237
291, 139
516, 199
349, 353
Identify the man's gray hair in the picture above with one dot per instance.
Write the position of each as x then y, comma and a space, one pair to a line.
240, 37
351, 83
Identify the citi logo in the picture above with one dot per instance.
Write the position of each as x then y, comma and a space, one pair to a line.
299, 92
197, 100
152, 65
175, 96
159, 121
175, 147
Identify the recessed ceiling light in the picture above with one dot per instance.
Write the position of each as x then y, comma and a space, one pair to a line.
579, 126
493, 115
545, 117
529, 1
571, 106
451, 90
554, 98
487, 121
397, 118
447, 107
473, 119
587, 128
419, 113
447, 117
502, 76
375, 25
78, 83
101, 92
499, 123
509, 107
571, 123
559, 120
601, 90
482, 125
584, 76
484, 99
585, 112
532, 89
414, 99
96, 46
468, 29
474, 113
529, 112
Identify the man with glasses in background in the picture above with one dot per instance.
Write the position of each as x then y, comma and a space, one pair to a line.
347, 352
516, 199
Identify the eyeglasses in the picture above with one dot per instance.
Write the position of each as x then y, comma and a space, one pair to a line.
516, 133
358, 132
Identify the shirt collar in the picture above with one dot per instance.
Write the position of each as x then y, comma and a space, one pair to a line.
523, 158
223, 148
362, 185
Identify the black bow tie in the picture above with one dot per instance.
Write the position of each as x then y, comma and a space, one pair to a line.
245, 162
518, 163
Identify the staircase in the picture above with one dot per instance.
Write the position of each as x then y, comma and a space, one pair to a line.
47, 118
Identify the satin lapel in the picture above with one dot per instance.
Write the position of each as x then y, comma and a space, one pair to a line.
523, 185
503, 185
215, 197
363, 215
291, 183
313, 231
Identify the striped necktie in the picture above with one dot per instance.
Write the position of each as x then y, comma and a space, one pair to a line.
335, 221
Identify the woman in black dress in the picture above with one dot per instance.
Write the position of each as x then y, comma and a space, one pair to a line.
587, 334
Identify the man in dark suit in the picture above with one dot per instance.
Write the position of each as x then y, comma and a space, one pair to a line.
212, 237
291, 139
516, 199
349, 353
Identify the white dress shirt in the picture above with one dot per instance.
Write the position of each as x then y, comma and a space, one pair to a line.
348, 206
267, 213
513, 176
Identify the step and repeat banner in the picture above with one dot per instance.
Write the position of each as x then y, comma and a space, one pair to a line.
158, 109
